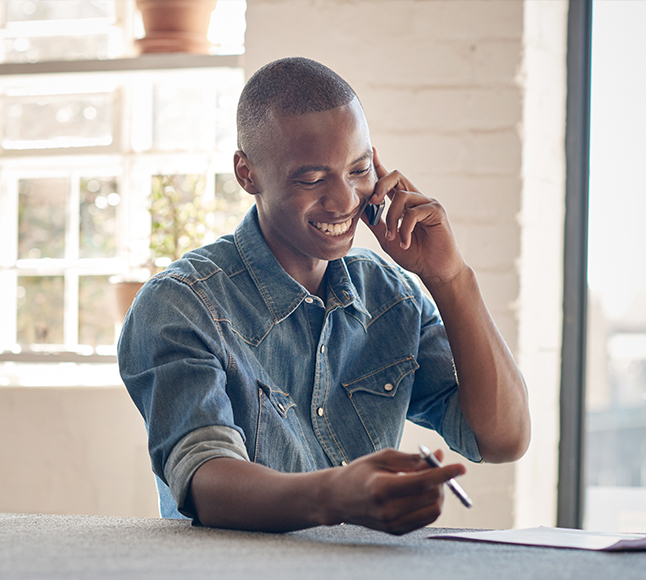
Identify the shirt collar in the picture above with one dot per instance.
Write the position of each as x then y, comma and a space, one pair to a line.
280, 292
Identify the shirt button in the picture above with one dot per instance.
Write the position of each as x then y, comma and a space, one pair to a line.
281, 407
320, 411
323, 348
389, 387
344, 463
309, 300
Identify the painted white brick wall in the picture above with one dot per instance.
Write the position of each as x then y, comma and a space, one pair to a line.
443, 86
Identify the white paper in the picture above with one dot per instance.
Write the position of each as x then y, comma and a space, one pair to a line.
556, 538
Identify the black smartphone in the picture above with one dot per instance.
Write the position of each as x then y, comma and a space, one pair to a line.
374, 212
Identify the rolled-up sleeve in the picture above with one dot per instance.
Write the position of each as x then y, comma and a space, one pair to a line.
195, 449
173, 362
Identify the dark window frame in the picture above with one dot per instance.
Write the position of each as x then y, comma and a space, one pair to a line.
575, 263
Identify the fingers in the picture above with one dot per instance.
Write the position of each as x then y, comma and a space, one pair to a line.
410, 501
400, 491
401, 217
379, 168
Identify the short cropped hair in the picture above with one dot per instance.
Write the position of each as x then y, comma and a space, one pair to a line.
286, 87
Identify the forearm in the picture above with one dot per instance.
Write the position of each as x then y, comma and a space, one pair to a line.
492, 393
236, 494
387, 490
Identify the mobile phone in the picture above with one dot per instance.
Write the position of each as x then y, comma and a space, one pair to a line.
453, 485
374, 212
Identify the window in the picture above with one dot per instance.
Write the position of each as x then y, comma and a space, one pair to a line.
615, 434
87, 159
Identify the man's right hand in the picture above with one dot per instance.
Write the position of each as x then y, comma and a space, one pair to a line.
388, 490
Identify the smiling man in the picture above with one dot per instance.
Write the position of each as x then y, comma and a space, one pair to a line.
276, 367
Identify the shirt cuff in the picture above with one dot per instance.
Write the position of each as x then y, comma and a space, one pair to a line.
195, 449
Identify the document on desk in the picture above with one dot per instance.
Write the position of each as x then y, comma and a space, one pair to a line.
556, 538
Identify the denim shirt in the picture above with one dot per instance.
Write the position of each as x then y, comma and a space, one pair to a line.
225, 337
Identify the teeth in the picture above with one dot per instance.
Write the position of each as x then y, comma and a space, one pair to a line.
333, 229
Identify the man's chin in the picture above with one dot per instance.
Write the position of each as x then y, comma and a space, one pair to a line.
337, 251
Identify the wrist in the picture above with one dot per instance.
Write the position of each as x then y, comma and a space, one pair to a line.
324, 509
450, 287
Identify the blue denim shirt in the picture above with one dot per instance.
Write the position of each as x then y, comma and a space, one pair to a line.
225, 337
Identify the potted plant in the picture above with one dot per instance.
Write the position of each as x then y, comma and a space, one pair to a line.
178, 223
176, 25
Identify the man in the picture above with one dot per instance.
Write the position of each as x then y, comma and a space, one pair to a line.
275, 368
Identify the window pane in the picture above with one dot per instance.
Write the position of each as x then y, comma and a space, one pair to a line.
179, 114
46, 121
228, 90
231, 204
615, 421
99, 201
30, 10
42, 217
21, 48
96, 311
178, 216
40, 310
61, 30
197, 112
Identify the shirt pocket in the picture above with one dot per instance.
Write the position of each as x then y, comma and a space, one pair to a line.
280, 442
381, 398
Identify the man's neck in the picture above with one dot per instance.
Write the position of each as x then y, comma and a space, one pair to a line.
314, 280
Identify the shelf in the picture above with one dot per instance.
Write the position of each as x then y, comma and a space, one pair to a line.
143, 62
56, 357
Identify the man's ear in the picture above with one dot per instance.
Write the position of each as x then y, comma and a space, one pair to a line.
244, 174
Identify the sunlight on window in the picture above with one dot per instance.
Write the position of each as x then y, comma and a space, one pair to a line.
80, 153
615, 438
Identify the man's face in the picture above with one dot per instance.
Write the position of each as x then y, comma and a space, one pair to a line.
313, 182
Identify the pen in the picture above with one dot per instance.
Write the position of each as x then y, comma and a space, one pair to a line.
454, 486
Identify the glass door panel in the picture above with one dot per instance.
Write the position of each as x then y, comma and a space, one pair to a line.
615, 437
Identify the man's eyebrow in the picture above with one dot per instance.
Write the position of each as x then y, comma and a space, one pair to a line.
308, 169
366, 155
315, 168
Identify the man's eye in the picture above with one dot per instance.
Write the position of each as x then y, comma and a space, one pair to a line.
362, 171
310, 182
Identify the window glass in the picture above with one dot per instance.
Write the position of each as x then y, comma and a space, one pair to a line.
231, 204
615, 421
178, 216
40, 310
96, 311
37, 30
105, 176
49, 121
42, 217
30, 10
180, 113
99, 199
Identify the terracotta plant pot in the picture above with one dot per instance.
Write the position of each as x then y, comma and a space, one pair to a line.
125, 293
176, 25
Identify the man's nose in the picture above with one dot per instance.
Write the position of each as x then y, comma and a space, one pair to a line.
341, 197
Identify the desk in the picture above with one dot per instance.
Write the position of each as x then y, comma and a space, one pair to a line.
95, 547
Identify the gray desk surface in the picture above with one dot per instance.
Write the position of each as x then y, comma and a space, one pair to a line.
89, 547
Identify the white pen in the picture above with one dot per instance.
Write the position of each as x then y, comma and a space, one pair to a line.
454, 486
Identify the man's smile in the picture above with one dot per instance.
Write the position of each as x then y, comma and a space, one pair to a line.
333, 229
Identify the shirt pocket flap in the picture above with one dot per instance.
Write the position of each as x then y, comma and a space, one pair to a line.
280, 401
384, 380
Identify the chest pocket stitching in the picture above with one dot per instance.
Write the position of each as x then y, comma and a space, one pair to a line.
362, 422
379, 313
404, 366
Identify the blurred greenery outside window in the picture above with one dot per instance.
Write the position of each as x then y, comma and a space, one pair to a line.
103, 176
